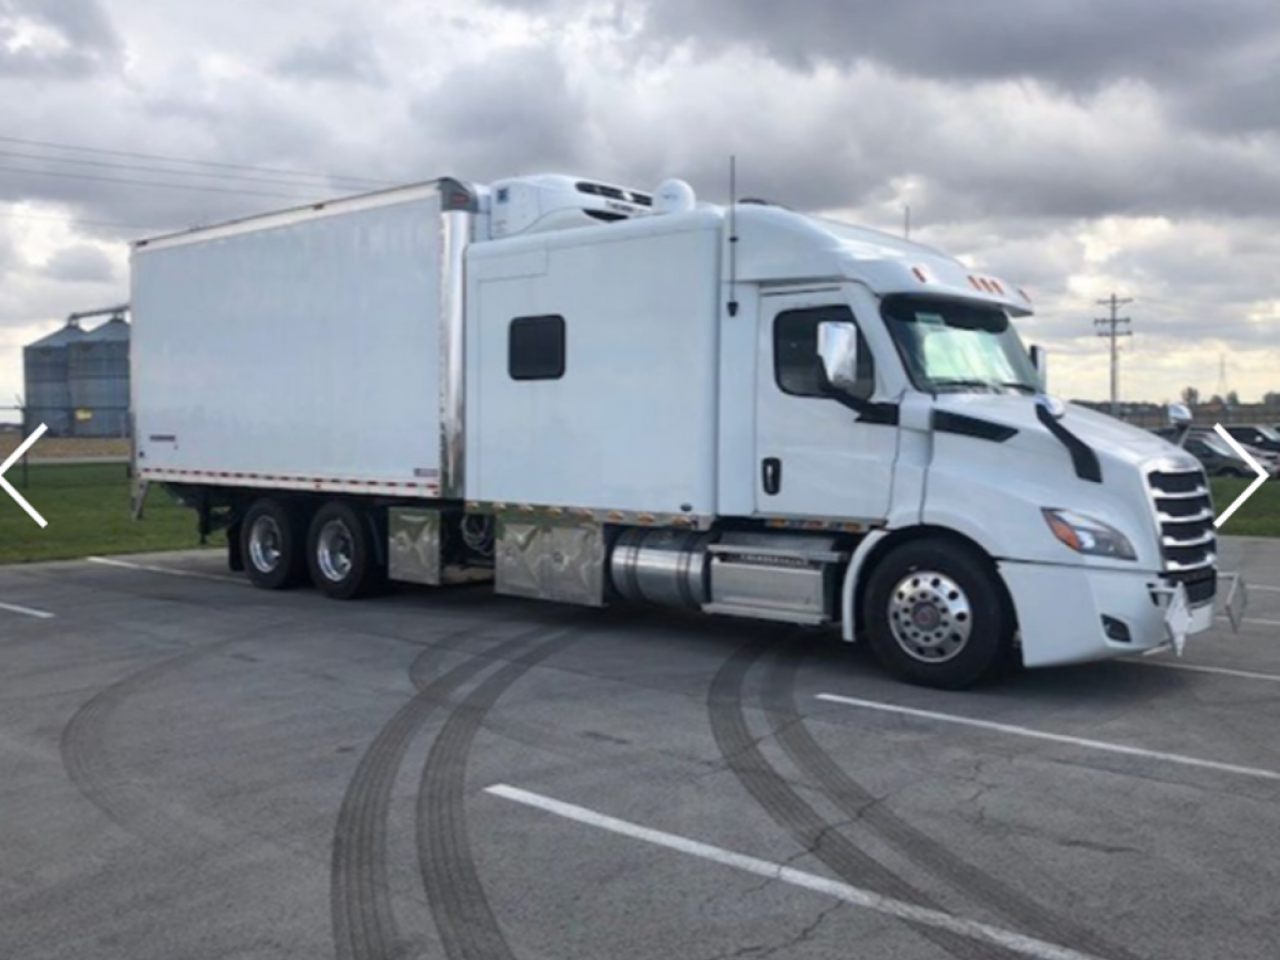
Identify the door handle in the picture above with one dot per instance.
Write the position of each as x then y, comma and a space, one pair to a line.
771, 475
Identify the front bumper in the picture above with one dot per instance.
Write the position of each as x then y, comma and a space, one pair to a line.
1077, 614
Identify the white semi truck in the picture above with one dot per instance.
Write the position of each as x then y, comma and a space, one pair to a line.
591, 394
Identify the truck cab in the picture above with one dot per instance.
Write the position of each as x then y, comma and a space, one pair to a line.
856, 425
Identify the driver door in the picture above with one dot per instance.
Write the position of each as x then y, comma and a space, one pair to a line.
814, 458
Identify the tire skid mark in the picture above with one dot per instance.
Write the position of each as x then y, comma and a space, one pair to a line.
857, 803
88, 763
787, 808
464, 919
364, 925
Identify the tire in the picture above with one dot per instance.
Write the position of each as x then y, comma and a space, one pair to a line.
340, 553
937, 615
271, 545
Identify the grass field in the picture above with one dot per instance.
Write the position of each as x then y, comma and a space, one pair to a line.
87, 508
1259, 517
88, 512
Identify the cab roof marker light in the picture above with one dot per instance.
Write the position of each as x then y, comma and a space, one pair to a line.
920, 274
999, 289
973, 281
1023, 294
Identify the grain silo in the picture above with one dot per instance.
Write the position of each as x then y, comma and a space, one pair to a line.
98, 379
46, 371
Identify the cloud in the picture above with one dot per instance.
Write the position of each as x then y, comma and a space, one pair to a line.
1074, 148
59, 39
349, 56
504, 115
80, 263
1080, 46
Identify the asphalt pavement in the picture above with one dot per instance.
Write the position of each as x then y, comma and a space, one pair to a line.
190, 768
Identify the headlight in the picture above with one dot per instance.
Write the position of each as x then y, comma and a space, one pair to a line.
1089, 536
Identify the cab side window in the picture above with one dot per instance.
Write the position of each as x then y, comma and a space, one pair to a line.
796, 366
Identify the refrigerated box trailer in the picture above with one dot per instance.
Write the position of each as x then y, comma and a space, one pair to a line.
592, 394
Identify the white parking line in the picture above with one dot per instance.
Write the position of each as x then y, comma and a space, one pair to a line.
1264, 588
856, 896
1194, 668
27, 611
1055, 737
1256, 623
148, 568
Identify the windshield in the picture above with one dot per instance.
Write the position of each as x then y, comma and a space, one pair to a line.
954, 345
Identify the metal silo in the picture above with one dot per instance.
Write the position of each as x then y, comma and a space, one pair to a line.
46, 371
98, 375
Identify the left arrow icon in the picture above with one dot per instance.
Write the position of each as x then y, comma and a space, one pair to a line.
8, 487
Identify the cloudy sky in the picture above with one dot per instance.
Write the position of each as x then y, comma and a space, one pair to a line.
1075, 147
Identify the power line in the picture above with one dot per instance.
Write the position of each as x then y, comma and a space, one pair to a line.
198, 163
74, 220
107, 164
1111, 325
154, 183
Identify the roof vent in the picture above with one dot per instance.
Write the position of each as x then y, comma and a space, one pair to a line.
674, 196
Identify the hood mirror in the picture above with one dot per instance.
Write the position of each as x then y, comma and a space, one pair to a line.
838, 350
1180, 417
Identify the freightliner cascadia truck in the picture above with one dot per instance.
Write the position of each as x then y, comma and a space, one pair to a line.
592, 395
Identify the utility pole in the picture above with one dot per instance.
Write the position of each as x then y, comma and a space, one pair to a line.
1111, 328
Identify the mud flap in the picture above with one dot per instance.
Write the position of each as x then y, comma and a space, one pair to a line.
1237, 599
139, 497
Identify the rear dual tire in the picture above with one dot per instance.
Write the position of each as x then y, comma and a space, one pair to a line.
341, 553
272, 538
279, 546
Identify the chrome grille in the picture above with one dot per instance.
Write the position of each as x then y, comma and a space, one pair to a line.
1184, 511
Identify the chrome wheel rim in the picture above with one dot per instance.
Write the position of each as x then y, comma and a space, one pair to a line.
335, 551
930, 617
266, 544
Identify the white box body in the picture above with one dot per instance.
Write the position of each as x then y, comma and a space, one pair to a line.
297, 351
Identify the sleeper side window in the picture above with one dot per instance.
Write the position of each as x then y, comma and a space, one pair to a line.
796, 366
536, 348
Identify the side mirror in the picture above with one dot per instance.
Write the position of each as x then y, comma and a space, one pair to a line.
838, 350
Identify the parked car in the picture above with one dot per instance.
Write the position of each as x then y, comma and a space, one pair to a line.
1256, 435
1218, 459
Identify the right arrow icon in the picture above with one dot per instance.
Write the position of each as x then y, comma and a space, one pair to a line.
1258, 468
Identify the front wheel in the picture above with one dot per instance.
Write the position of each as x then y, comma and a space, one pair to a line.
340, 553
937, 614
